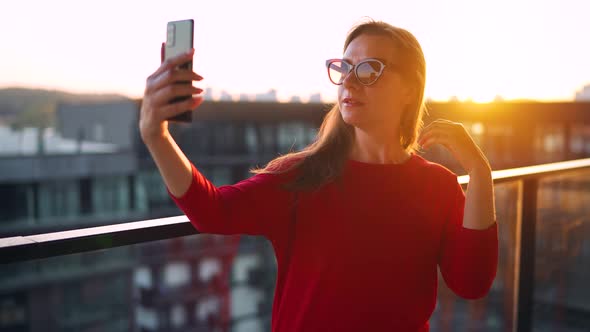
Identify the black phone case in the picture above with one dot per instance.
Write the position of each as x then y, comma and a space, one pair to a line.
188, 115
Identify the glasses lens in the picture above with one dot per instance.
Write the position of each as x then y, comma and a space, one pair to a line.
368, 72
337, 71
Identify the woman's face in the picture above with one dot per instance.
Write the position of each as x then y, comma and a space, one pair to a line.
376, 108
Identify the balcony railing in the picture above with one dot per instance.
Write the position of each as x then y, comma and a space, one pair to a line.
527, 179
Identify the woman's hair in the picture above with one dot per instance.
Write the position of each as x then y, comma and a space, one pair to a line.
323, 160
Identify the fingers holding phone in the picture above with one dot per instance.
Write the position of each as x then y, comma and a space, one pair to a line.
168, 73
169, 92
165, 95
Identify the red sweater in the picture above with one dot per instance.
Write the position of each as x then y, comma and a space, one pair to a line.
361, 255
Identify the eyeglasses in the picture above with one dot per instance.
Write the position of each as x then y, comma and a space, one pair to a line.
367, 71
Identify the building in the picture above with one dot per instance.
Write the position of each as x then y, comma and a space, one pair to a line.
269, 96
583, 94
201, 282
315, 98
99, 122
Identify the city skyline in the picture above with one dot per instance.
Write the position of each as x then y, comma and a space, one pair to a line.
516, 50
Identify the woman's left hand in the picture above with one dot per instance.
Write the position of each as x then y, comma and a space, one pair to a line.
454, 137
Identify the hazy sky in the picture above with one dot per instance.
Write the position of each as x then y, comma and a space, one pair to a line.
534, 49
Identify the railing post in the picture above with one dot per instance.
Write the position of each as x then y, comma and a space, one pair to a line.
526, 263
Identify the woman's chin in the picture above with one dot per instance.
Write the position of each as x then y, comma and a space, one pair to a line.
351, 119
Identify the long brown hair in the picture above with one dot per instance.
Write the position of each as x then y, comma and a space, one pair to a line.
323, 160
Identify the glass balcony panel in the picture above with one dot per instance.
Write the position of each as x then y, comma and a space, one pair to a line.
198, 282
562, 268
493, 312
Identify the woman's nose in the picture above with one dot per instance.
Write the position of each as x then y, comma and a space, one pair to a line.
350, 79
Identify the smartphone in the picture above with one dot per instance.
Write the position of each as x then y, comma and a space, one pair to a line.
179, 39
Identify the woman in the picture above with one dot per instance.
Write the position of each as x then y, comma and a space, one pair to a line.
358, 221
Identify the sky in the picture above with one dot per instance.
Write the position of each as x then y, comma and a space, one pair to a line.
517, 49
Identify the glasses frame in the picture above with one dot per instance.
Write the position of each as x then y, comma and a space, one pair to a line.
354, 68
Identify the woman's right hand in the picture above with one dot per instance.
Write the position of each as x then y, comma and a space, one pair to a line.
161, 87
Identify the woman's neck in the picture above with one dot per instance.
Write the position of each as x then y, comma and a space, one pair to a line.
378, 149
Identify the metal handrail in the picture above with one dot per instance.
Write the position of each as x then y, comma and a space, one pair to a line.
534, 172
23, 248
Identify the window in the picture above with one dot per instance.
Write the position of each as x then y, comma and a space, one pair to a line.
59, 199
110, 195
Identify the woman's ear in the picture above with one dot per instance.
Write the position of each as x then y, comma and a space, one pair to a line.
409, 95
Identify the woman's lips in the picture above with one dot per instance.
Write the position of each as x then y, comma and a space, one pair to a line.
351, 102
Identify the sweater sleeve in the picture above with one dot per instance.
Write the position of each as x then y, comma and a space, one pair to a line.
468, 259
255, 206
